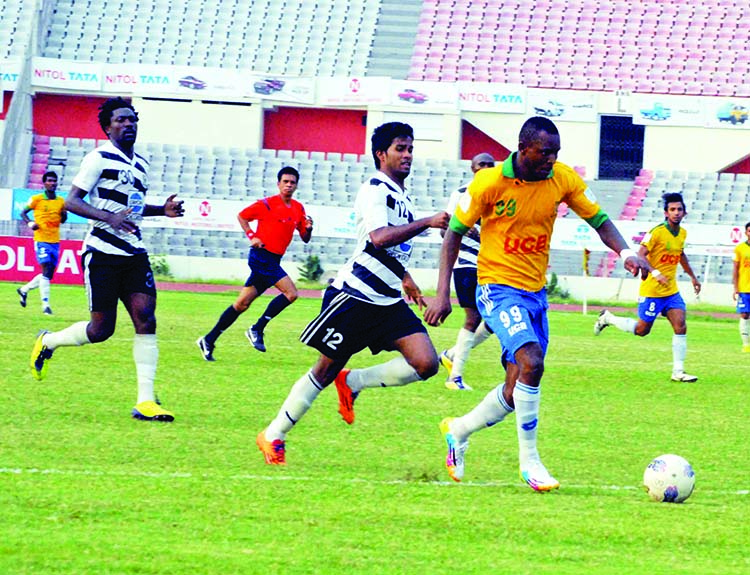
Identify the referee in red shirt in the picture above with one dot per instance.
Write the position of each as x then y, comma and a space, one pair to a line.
277, 218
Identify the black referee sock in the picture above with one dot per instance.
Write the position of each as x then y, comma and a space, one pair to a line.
277, 305
227, 318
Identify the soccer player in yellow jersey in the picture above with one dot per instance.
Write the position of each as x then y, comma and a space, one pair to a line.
49, 213
517, 203
664, 246
741, 281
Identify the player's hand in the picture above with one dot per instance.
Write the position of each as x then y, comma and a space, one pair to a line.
33, 226
309, 223
659, 277
440, 220
413, 293
256, 242
635, 265
697, 286
735, 293
119, 221
438, 311
172, 208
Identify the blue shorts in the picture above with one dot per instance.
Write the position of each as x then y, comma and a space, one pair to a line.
47, 253
465, 282
743, 302
347, 325
516, 316
649, 308
265, 269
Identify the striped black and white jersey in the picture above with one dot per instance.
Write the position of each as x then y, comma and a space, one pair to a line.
469, 250
114, 183
371, 274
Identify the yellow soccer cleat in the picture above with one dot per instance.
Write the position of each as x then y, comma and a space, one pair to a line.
446, 361
151, 411
40, 356
746, 349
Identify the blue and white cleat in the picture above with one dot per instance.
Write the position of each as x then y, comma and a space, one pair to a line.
454, 460
537, 477
457, 384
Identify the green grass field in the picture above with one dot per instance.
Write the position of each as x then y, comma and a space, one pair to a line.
84, 489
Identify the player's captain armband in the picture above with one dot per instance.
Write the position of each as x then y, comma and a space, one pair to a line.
627, 253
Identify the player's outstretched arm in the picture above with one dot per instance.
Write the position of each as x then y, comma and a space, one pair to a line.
171, 208
389, 236
613, 239
440, 308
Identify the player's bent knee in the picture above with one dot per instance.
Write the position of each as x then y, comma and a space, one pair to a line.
428, 369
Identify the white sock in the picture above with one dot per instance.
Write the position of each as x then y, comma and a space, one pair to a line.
745, 331
392, 373
146, 356
296, 404
44, 291
527, 400
481, 334
464, 343
70, 336
33, 284
626, 324
679, 351
491, 410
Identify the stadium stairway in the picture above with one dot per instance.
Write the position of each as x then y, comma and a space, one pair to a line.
393, 42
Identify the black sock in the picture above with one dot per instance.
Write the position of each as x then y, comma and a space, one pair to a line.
227, 318
277, 305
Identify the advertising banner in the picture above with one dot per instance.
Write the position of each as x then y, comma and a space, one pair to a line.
416, 95
661, 110
492, 97
566, 106
280, 88
10, 71
54, 73
18, 261
139, 79
343, 91
727, 113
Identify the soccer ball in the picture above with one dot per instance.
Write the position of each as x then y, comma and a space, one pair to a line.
669, 478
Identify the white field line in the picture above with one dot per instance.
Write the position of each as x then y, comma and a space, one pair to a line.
302, 479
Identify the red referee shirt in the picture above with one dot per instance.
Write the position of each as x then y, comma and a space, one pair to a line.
276, 222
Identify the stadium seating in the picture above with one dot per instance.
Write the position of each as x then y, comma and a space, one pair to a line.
649, 46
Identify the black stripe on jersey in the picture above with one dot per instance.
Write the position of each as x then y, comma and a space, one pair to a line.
390, 201
114, 195
462, 189
347, 289
367, 277
465, 262
111, 174
469, 250
377, 182
387, 260
114, 157
113, 240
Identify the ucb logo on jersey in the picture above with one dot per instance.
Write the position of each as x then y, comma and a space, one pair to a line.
136, 203
670, 259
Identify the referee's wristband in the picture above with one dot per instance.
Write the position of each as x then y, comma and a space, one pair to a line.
250, 234
627, 253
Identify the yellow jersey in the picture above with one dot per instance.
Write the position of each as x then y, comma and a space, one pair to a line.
742, 257
48, 216
665, 249
517, 219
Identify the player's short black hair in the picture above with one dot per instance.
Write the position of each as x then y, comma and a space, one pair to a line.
747, 225
287, 170
533, 126
672, 197
383, 136
49, 174
109, 106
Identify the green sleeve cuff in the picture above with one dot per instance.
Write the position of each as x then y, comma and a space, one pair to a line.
457, 226
597, 220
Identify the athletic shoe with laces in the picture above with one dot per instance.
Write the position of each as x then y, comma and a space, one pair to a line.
446, 361
151, 411
22, 294
47, 311
457, 384
684, 377
454, 461
346, 396
207, 350
273, 451
537, 477
603, 321
256, 338
746, 349
40, 356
